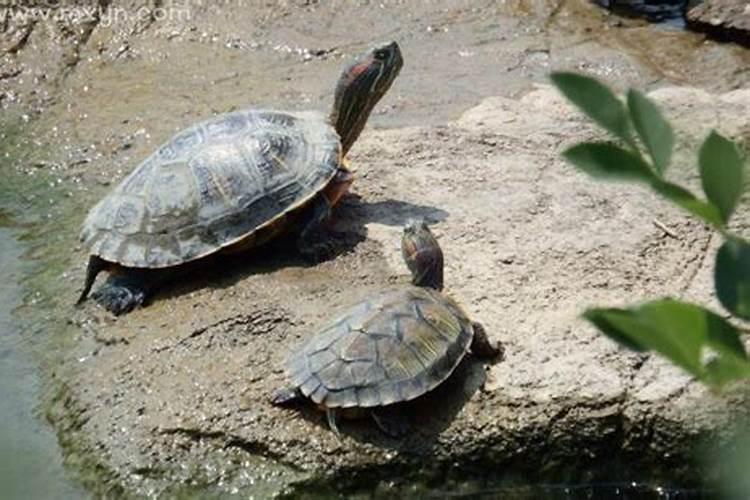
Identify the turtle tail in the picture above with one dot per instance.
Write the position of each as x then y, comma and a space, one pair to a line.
94, 267
286, 396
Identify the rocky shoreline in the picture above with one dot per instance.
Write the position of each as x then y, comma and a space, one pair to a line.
723, 20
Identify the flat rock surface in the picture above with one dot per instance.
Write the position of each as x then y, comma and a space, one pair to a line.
179, 390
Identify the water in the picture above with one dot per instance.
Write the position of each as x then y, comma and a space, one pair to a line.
30, 459
654, 10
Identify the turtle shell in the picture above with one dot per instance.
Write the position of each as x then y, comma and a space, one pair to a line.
214, 185
393, 347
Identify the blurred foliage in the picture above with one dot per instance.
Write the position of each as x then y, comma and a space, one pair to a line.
694, 338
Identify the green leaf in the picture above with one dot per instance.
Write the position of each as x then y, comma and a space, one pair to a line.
603, 160
601, 318
720, 372
609, 161
688, 201
597, 101
732, 277
721, 169
729, 360
682, 332
652, 128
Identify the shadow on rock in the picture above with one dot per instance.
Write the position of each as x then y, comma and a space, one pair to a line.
388, 212
350, 219
427, 416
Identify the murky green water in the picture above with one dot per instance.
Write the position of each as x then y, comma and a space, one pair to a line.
30, 460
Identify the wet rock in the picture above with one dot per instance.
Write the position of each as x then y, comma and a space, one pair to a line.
721, 19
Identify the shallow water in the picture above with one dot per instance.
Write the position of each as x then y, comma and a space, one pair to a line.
671, 11
30, 459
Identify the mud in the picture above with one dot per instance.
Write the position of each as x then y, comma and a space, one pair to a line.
173, 397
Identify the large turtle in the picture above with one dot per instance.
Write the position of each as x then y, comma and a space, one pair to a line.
393, 347
231, 183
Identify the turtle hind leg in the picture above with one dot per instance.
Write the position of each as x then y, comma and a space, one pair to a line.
125, 290
391, 421
482, 347
93, 268
286, 396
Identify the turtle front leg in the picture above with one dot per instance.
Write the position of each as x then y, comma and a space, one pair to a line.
313, 242
125, 290
93, 268
482, 347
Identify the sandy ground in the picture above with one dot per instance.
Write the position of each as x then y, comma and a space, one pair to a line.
175, 395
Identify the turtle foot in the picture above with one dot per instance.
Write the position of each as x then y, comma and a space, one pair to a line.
120, 298
393, 423
483, 348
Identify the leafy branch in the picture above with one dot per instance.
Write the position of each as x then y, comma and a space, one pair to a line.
691, 336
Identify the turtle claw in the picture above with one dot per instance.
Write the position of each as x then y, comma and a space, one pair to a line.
119, 299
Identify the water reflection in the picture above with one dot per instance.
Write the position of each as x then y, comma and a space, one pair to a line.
30, 461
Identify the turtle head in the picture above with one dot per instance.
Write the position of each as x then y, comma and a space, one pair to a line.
422, 255
360, 87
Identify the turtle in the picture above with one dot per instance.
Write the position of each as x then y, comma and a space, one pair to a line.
392, 347
231, 183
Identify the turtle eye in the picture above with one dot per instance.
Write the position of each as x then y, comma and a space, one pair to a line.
380, 55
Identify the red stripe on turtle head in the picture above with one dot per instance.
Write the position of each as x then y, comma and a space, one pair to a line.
357, 69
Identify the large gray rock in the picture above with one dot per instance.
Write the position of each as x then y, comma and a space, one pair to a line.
722, 19
177, 393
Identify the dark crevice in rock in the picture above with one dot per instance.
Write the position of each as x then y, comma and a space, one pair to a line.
228, 440
256, 323
20, 42
83, 34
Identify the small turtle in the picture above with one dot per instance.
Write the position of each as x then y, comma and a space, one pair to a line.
393, 347
231, 183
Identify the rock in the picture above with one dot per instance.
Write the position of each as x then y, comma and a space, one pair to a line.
721, 19
182, 396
